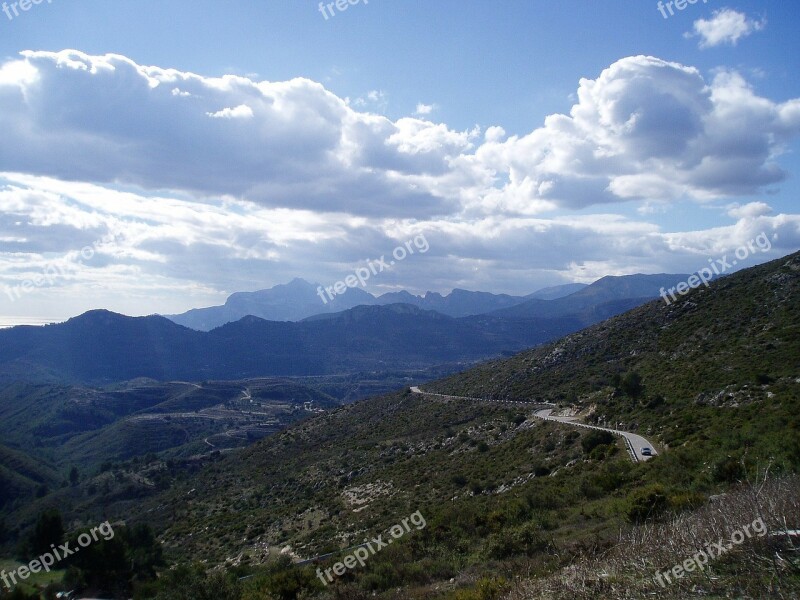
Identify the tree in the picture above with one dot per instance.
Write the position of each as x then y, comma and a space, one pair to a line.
596, 438
74, 476
144, 551
647, 503
17, 594
114, 562
631, 384
49, 530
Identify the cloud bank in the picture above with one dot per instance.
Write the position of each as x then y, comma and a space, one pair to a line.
644, 129
206, 186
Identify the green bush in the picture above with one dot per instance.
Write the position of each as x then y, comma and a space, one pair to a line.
595, 438
647, 503
485, 589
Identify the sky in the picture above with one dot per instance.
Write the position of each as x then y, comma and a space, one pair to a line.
157, 156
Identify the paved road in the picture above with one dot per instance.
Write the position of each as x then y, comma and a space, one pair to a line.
416, 390
633, 441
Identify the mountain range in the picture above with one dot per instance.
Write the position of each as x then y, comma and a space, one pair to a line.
299, 299
100, 346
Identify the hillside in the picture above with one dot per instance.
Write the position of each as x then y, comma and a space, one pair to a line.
712, 378
21, 476
556, 292
102, 347
83, 426
631, 290
725, 346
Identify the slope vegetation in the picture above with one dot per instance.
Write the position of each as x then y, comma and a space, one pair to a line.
713, 377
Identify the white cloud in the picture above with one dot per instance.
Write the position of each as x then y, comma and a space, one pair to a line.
240, 112
376, 100
192, 253
645, 130
424, 109
726, 26
290, 180
749, 211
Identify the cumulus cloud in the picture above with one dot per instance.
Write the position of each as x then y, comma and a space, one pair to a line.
424, 109
198, 187
726, 26
645, 130
648, 130
749, 210
290, 144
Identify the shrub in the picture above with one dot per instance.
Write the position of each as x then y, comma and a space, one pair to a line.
647, 503
485, 589
594, 439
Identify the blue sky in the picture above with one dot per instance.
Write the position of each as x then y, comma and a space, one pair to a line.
345, 137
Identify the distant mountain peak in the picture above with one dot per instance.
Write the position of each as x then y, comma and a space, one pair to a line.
299, 282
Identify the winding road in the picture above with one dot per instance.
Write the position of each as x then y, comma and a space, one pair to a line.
634, 442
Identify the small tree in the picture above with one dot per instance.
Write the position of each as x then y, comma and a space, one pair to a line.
647, 503
49, 530
596, 438
631, 384
74, 476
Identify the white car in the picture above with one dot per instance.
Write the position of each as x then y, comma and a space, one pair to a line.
647, 451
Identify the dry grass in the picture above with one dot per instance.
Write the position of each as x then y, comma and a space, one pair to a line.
761, 567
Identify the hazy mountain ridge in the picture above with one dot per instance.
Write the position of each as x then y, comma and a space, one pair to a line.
605, 290
101, 346
299, 300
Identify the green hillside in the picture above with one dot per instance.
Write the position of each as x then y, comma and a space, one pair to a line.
514, 507
521, 508
21, 476
716, 374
